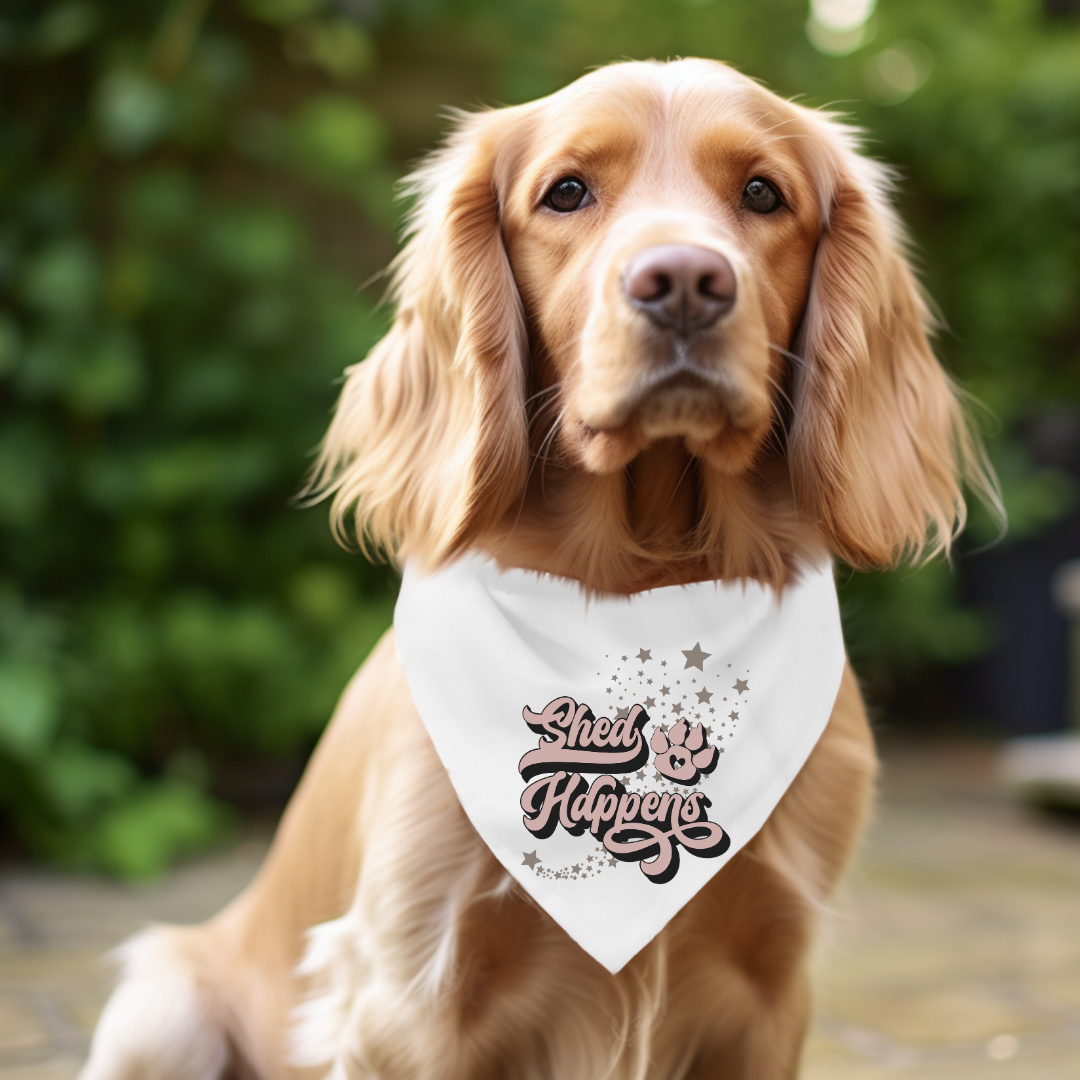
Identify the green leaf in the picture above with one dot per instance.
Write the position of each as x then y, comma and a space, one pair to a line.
108, 376
78, 779
66, 27
321, 593
160, 201
222, 63
62, 280
30, 699
335, 137
141, 836
339, 46
254, 243
203, 469
133, 112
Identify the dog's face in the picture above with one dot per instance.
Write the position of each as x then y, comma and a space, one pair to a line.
661, 233
689, 295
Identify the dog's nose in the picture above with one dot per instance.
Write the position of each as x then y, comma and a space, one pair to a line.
680, 287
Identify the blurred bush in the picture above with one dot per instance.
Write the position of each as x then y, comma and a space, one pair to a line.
191, 192
169, 348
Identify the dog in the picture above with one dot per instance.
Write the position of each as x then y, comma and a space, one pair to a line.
656, 328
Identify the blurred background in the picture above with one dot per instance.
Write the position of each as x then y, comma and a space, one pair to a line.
193, 194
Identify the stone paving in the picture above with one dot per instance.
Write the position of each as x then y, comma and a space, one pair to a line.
954, 951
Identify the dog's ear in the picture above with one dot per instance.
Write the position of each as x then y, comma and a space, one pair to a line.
428, 446
880, 446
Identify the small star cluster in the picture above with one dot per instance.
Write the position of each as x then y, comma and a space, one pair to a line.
590, 866
715, 697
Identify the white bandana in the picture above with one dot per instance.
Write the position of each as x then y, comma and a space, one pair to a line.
615, 753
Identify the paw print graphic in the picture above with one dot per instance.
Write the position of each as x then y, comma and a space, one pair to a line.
683, 754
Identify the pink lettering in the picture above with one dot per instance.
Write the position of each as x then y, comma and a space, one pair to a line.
580, 729
628, 809
691, 810
648, 829
556, 796
570, 737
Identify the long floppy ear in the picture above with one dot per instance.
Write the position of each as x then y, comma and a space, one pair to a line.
880, 446
428, 445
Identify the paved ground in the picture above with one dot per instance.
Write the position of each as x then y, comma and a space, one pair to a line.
955, 952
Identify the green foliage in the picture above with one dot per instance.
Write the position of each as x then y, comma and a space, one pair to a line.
169, 348
190, 194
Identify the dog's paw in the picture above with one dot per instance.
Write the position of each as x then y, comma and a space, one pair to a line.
684, 753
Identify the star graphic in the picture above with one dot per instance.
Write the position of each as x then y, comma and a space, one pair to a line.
613, 679
612, 862
576, 868
706, 729
624, 657
696, 657
733, 715
650, 703
704, 696
657, 776
610, 691
663, 728
664, 691
712, 710
622, 714
530, 860
648, 682
677, 708
721, 749
741, 685
641, 674
644, 654
663, 663
640, 774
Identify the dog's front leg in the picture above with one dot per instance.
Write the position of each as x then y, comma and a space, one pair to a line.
770, 1046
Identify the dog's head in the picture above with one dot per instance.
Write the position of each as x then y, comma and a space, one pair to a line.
661, 260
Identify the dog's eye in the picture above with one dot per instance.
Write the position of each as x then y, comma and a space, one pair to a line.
566, 194
760, 196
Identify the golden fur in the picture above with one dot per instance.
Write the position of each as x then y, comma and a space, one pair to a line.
515, 406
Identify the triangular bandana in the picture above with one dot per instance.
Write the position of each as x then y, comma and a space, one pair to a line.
614, 753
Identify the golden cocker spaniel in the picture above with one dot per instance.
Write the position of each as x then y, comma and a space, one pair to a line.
655, 328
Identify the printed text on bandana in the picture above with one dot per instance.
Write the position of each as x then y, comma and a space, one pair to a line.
644, 827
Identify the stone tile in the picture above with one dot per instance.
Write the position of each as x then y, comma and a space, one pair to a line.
21, 1028
953, 1016
53, 1069
956, 950
1059, 992
55, 932
66, 910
